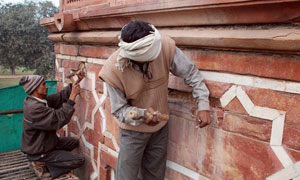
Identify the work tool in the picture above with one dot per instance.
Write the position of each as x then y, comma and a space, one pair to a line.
81, 70
134, 114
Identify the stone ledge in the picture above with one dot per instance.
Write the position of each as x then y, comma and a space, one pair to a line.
281, 39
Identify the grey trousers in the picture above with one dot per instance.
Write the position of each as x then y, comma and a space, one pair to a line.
61, 160
142, 155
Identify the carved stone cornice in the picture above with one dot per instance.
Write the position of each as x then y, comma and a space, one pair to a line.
174, 13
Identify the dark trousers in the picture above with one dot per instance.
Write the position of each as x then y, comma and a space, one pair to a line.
142, 155
61, 160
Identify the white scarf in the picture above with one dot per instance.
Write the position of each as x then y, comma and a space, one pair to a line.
142, 50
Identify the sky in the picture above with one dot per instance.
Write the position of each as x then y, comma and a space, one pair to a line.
55, 2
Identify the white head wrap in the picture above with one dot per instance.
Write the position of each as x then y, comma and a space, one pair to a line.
142, 50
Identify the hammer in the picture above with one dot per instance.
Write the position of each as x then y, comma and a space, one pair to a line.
76, 72
133, 114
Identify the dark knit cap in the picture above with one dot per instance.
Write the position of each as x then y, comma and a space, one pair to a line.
30, 83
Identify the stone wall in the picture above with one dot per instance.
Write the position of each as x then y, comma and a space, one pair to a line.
249, 54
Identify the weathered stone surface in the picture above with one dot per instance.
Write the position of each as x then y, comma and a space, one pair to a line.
290, 103
57, 48
295, 155
263, 65
247, 126
173, 175
232, 39
71, 50
235, 145
217, 89
219, 154
96, 51
111, 124
236, 106
291, 136
180, 13
109, 159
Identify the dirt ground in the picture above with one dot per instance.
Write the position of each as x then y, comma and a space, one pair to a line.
10, 76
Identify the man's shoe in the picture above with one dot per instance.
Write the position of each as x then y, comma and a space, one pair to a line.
39, 169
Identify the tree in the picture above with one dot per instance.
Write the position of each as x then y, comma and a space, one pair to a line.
23, 42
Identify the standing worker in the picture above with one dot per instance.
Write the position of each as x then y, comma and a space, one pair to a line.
48, 154
136, 76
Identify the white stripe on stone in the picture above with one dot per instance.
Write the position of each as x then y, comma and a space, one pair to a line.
99, 61
290, 172
94, 176
228, 96
277, 116
81, 58
56, 63
187, 172
293, 87
65, 57
297, 178
107, 134
112, 174
245, 100
266, 83
277, 131
282, 156
278, 85
264, 113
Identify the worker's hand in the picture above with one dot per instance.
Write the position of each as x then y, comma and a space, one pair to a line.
75, 91
152, 117
80, 76
202, 119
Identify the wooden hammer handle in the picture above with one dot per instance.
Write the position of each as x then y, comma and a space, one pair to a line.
133, 114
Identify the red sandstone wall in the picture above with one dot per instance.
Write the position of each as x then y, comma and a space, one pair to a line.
251, 64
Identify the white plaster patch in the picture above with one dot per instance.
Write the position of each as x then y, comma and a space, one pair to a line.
264, 113
293, 87
183, 170
56, 64
244, 99
277, 131
282, 156
290, 172
99, 61
59, 56
96, 61
65, 57
81, 58
266, 83
107, 134
112, 173
94, 176
297, 178
228, 96
88, 83
73, 58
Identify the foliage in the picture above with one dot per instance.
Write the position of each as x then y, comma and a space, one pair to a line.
23, 42
19, 71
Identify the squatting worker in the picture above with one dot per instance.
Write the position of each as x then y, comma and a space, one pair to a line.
43, 116
136, 76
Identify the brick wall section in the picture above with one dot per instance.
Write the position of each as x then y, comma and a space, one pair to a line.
254, 98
